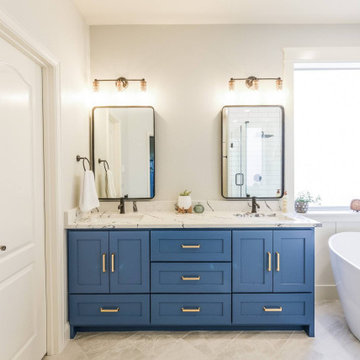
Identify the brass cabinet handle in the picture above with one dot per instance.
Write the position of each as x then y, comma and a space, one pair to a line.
269, 261
112, 262
3, 247
103, 263
191, 278
278, 309
190, 310
197, 246
109, 310
277, 261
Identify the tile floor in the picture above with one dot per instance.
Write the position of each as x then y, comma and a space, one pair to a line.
333, 341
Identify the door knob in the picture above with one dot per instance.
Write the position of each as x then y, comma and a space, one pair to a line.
2, 247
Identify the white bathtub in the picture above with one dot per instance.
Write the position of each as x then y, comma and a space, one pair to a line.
345, 262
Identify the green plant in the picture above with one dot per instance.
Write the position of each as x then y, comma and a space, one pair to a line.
185, 193
306, 197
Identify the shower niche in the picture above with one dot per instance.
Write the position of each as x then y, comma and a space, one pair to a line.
252, 140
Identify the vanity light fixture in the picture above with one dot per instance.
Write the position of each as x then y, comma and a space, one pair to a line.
121, 83
252, 82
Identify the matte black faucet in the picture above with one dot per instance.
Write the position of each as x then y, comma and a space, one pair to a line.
121, 206
254, 205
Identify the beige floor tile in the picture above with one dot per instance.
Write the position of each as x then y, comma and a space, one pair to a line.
333, 341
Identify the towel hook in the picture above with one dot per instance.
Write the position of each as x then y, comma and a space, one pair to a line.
105, 163
78, 158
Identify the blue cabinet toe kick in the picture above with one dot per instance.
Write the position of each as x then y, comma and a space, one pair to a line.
181, 280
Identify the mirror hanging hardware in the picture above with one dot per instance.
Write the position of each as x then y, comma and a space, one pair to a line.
252, 82
105, 163
79, 158
121, 83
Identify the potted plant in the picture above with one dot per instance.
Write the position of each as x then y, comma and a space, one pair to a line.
184, 200
303, 200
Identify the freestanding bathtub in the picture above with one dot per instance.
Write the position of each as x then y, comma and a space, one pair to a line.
345, 262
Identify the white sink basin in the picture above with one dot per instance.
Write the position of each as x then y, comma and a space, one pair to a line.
263, 216
127, 217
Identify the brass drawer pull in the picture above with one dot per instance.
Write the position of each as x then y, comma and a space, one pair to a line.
197, 246
109, 310
277, 261
191, 278
191, 310
269, 261
103, 263
113, 262
279, 309
3, 247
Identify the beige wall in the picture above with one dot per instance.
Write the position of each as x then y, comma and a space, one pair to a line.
59, 27
187, 68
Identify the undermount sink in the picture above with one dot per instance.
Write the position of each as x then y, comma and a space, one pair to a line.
263, 216
127, 217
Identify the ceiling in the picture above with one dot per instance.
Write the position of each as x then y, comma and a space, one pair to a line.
112, 12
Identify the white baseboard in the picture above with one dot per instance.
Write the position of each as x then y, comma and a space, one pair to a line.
66, 333
326, 292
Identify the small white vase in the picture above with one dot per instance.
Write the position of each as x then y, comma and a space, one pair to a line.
184, 202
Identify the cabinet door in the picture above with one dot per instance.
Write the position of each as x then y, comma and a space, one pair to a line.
252, 261
88, 262
294, 260
129, 262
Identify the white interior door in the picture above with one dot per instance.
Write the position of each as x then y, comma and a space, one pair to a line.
22, 263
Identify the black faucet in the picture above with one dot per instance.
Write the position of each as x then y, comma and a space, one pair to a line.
121, 206
254, 205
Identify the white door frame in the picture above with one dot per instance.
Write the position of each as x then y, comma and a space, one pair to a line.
54, 225
304, 55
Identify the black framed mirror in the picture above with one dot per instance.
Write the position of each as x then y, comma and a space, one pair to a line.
252, 151
123, 151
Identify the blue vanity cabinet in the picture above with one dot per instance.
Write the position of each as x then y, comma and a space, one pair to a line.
129, 262
164, 279
88, 259
252, 261
293, 261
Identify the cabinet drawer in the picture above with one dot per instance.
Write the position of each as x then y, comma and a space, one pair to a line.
191, 277
191, 309
182, 245
91, 310
250, 309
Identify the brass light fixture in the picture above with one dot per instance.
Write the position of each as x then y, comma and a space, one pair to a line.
121, 83
252, 82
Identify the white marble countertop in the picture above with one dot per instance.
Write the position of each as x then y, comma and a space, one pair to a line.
171, 219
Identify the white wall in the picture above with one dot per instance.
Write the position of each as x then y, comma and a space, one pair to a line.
187, 69
59, 27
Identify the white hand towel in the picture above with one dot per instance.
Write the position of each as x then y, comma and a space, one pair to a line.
88, 197
110, 185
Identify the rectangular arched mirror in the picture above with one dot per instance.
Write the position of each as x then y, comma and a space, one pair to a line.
252, 152
123, 151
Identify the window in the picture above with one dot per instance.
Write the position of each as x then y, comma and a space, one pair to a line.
327, 131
